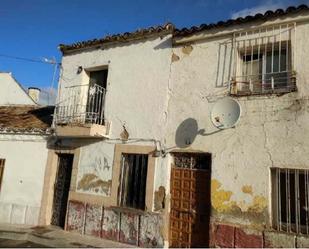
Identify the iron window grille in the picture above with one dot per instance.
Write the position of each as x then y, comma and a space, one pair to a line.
133, 181
290, 200
263, 60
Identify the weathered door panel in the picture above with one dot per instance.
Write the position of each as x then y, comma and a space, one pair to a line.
61, 189
190, 207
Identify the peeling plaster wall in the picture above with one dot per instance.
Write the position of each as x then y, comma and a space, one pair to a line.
135, 228
138, 74
21, 191
95, 169
273, 130
137, 86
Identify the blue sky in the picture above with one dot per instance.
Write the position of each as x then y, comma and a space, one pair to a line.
34, 28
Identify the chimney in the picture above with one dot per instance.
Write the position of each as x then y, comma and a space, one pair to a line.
34, 93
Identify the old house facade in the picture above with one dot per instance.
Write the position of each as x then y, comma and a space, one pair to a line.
136, 158
24, 131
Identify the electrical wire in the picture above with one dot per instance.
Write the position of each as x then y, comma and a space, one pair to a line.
46, 61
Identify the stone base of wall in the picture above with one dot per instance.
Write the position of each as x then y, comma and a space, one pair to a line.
223, 235
135, 228
19, 214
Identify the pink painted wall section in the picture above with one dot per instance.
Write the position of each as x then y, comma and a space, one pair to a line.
222, 235
129, 227
110, 225
93, 220
140, 229
75, 216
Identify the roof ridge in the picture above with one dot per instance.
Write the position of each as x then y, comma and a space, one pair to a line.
240, 20
120, 37
170, 28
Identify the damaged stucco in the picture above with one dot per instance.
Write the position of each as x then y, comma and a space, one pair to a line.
95, 169
272, 131
184, 83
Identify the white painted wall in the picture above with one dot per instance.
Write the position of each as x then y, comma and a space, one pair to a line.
21, 191
154, 96
138, 78
273, 130
11, 93
137, 84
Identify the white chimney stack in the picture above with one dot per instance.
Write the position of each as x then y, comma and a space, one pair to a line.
34, 93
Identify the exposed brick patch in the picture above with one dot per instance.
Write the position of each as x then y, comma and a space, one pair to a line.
247, 239
224, 236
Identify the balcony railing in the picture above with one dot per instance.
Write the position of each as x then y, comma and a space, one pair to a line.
282, 82
82, 104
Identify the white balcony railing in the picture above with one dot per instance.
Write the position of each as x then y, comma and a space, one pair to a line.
82, 104
282, 82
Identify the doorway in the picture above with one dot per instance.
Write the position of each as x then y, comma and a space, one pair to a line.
61, 189
190, 200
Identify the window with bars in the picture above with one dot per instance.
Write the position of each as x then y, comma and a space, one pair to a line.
2, 162
290, 200
133, 181
263, 61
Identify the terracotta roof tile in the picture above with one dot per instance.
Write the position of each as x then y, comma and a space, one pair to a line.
170, 28
124, 37
25, 118
266, 16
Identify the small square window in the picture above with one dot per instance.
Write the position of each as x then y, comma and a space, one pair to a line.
133, 181
290, 200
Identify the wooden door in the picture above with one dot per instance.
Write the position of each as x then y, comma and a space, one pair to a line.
190, 203
61, 189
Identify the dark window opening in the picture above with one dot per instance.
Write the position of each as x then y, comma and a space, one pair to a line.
98, 78
96, 96
290, 191
133, 180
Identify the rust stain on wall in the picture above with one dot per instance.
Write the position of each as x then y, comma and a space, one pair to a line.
187, 49
175, 57
247, 189
256, 210
159, 199
220, 199
259, 204
93, 182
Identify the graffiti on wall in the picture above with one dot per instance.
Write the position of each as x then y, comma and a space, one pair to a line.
94, 171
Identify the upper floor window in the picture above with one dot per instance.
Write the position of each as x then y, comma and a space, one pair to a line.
263, 61
96, 96
83, 103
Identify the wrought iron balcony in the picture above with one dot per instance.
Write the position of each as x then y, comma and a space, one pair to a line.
277, 83
80, 111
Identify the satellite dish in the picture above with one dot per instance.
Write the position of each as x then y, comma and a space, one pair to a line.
225, 113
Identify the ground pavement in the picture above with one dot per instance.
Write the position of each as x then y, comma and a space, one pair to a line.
48, 236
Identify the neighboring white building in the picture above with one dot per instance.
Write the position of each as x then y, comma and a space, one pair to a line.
135, 156
11, 92
24, 132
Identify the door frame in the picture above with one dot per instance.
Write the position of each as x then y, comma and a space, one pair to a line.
172, 166
50, 179
64, 190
